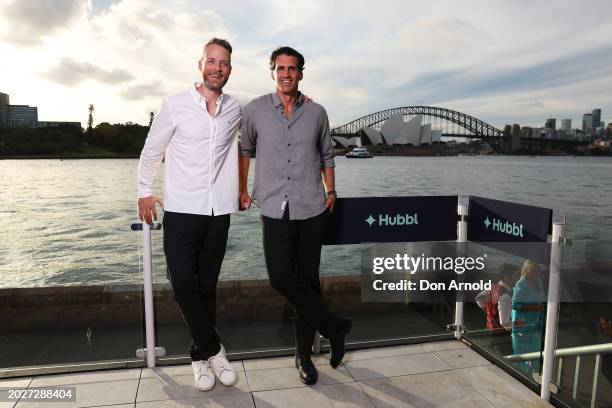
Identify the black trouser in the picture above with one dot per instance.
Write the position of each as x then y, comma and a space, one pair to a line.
293, 251
195, 246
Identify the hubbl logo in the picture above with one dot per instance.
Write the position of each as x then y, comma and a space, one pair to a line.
506, 227
398, 219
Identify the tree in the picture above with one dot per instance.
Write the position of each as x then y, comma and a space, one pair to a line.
151, 117
90, 119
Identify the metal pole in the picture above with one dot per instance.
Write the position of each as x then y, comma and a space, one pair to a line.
147, 264
552, 310
462, 210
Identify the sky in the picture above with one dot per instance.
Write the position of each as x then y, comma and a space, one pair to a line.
503, 62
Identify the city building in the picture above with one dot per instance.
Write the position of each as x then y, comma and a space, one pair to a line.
54, 124
566, 125
596, 118
551, 123
12, 116
21, 116
4, 102
587, 122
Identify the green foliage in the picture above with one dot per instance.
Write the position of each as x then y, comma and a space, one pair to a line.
124, 139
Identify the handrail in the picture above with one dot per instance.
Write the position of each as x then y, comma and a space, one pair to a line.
566, 352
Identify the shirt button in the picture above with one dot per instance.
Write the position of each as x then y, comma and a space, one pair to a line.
285, 195
288, 144
288, 178
289, 127
288, 161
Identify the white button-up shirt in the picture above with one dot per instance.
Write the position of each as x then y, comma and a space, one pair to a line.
201, 166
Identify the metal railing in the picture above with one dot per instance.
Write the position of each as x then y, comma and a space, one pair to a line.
577, 352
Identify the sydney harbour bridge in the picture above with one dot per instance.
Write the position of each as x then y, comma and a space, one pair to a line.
452, 123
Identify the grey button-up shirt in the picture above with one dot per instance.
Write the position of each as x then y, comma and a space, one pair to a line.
290, 155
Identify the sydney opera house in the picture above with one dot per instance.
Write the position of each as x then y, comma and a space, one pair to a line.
395, 132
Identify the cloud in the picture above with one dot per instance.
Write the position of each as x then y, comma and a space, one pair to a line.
70, 72
141, 91
27, 22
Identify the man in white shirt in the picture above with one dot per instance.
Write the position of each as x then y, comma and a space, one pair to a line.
196, 131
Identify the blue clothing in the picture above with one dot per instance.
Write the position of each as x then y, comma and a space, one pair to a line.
527, 338
525, 293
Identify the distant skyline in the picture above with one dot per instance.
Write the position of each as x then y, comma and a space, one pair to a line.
501, 61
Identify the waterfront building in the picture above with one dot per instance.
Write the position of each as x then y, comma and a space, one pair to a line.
345, 142
4, 102
596, 118
21, 116
425, 134
54, 124
436, 136
516, 138
371, 136
587, 122
566, 125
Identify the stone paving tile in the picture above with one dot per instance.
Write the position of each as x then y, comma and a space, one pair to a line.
281, 362
165, 383
335, 395
92, 389
383, 352
500, 388
218, 401
279, 378
461, 358
441, 389
8, 384
444, 345
395, 366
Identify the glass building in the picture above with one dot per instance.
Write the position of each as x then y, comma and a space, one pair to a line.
22, 116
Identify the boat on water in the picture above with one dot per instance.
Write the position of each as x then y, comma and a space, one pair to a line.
359, 153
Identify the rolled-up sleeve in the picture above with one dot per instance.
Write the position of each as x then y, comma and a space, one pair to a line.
248, 134
154, 149
326, 146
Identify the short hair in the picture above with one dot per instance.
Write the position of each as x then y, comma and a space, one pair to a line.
217, 41
529, 267
507, 269
286, 51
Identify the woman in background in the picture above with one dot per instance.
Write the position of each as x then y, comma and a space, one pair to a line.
528, 314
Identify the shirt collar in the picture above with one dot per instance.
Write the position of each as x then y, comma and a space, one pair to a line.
200, 99
505, 285
279, 104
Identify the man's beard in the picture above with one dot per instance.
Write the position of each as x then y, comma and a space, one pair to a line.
214, 86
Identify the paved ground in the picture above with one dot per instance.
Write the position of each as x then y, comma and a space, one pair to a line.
439, 374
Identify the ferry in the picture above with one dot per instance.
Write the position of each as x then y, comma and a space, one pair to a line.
359, 153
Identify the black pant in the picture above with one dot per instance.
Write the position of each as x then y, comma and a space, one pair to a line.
293, 251
195, 246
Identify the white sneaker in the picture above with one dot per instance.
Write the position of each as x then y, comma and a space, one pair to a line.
204, 377
223, 369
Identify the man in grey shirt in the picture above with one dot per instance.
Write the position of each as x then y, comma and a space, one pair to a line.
294, 149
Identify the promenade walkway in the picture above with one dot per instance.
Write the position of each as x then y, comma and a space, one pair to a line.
437, 374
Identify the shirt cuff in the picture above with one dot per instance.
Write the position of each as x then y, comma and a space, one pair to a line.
244, 152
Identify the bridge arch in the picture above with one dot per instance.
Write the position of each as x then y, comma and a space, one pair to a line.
477, 127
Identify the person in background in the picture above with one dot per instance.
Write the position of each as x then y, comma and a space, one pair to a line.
528, 313
497, 302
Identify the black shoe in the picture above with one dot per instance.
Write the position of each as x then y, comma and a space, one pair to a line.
306, 369
337, 342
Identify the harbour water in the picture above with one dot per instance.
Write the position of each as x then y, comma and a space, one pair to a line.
67, 222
